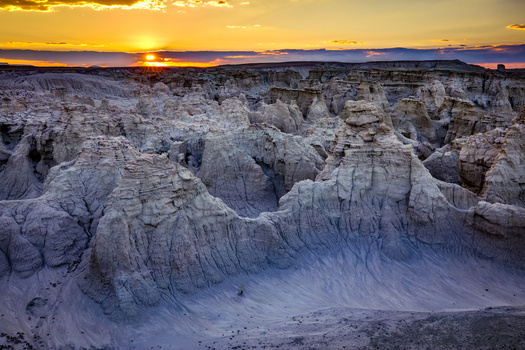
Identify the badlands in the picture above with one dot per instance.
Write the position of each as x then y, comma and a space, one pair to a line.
294, 206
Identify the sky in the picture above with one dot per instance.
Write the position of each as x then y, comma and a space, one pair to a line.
213, 32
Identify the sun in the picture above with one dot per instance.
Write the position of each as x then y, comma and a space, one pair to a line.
150, 57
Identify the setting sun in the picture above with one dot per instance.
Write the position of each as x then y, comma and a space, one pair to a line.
150, 57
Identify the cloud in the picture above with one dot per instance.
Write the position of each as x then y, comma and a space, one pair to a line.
68, 58
49, 5
218, 3
34, 45
486, 55
345, 42
243, 27
154, 5
201, 3
443, 40
516, 26
272, 52
374, 53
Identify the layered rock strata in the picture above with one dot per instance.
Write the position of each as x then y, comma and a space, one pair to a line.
154, 187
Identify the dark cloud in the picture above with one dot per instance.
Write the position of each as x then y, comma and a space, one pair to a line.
38, 5
478, 54
72, 58
517, 26
47, 5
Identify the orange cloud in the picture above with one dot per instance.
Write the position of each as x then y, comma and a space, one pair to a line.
345, 42
218, 3
271, 52
243, 27
154, 5
443, 40
374, 53
512, 65
49, 5
36, 45
199, 3
37, 63
516, 26
495, 48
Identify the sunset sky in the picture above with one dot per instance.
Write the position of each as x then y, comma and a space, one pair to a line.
122, 32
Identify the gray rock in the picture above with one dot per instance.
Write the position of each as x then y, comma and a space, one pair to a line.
477, 156
443, 164
152, 215
505, 181
411, 120
285, 117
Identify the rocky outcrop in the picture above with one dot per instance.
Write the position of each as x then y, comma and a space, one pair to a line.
443, 165
357, 109
477, 156
303, 98
505, 181
20, 177
167, 192
372, 92
162, 231
317, 110
433, 95
54, 229
285, 117
322, 134
69, 83
336, 92
411, 120
252, 168
466, 120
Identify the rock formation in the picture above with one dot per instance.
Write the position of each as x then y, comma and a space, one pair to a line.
505, 180
131, 196
477, 156
411, 120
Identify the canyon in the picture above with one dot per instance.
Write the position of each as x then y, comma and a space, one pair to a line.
295, 205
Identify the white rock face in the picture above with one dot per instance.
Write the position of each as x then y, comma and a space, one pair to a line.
505, 181
285, 117
372, 92
443, 165
411, 120
433, 95
140, 203
477, 157
251, 169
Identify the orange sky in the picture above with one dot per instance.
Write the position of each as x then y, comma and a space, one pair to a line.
255, 25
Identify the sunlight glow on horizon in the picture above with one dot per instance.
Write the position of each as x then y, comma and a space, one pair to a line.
149, 27
170, 63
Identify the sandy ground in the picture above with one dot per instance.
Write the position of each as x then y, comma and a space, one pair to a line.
492, 328
437, 302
